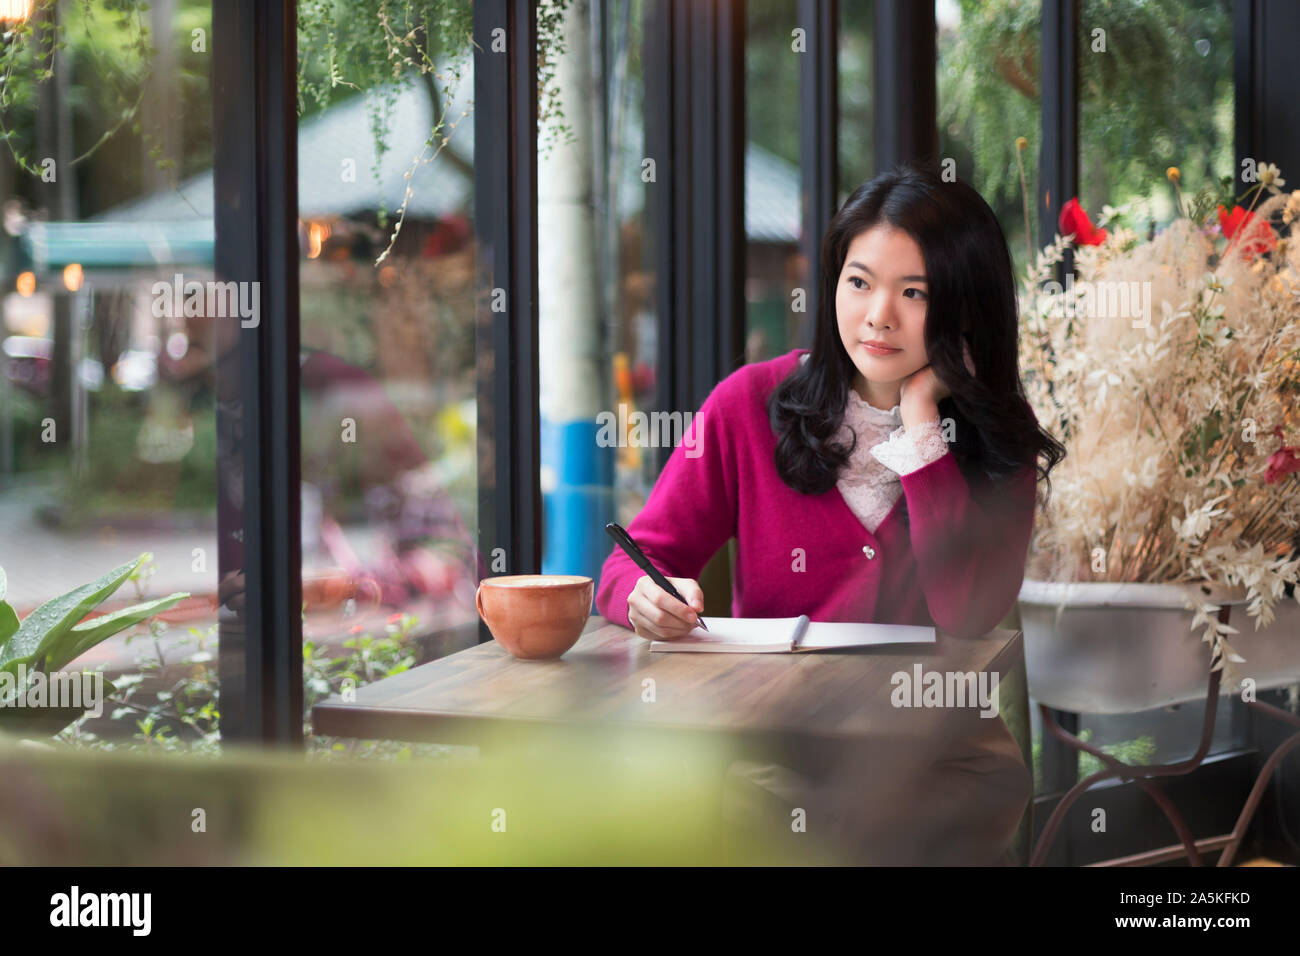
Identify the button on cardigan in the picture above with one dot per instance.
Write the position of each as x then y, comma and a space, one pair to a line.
950, 552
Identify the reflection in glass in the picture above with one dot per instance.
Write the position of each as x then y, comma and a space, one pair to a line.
1134, 123
856, 133
386, 234
107, 403
988, 96
597, 321
774, 267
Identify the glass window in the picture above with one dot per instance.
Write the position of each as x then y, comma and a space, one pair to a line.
598, 324
1134, 123
107, 404
774, 267
988, 97
386, 231
857, 141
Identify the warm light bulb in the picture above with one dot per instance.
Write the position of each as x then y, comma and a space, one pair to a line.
26, 284
15, 11
73, 276
315, 236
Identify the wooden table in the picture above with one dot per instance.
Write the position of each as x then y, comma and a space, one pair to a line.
762, 706
826, 716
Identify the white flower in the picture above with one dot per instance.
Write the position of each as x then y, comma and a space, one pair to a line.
1197, 522
1109, 212
1217, 283
1271, 177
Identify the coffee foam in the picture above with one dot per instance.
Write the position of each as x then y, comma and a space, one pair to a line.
534, 581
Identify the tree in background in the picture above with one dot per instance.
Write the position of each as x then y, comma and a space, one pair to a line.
1155, 90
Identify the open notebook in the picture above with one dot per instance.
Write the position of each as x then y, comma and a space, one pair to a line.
783, 635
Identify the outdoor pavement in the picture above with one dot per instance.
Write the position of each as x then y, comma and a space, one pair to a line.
41, 562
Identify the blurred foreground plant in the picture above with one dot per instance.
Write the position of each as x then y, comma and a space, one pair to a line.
558, 804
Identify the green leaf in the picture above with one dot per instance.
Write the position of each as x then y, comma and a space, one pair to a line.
8, 617
56, 617
87, 634
8, 622
45, 721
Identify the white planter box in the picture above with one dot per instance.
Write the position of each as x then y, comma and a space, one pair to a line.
1108, 648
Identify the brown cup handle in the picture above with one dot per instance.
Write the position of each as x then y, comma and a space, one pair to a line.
478, 601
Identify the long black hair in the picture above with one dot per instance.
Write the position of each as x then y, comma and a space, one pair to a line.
971, 297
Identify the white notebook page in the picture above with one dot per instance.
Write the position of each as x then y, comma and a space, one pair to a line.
746, 630
776, 633
835, 634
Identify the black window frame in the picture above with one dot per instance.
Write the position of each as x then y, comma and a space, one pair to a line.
694, 130
505, 213
255, 184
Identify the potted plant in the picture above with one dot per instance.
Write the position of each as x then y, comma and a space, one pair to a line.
1169, 366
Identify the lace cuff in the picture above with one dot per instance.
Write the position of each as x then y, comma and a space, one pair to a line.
904, 452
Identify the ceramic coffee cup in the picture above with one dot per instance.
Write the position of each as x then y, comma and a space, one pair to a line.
535, 616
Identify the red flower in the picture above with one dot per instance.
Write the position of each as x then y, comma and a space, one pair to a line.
1258, 236
1281, 463
1075, 220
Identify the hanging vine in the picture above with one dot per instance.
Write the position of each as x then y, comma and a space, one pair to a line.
110, 35
375, 48
382, 47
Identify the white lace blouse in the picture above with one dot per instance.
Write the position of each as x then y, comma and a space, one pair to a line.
869, 481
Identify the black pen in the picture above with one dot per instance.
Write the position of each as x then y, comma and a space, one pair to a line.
624, 541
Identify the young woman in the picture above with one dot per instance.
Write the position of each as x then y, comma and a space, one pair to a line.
889, 474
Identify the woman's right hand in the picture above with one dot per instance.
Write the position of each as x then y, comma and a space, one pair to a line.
657, 615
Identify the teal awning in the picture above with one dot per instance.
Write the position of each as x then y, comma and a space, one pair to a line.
49, 246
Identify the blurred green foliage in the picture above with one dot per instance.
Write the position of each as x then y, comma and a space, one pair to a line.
1159, 95
118, 482
1147, 102
172, 703
108, 48
520, 803
379, 49
1137, 751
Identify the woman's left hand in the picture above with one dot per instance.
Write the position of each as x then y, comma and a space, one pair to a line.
922, 388
922, 391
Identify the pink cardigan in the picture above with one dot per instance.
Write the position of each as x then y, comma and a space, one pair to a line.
957, 562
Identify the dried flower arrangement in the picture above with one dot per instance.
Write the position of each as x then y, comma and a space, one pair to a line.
1169, 367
